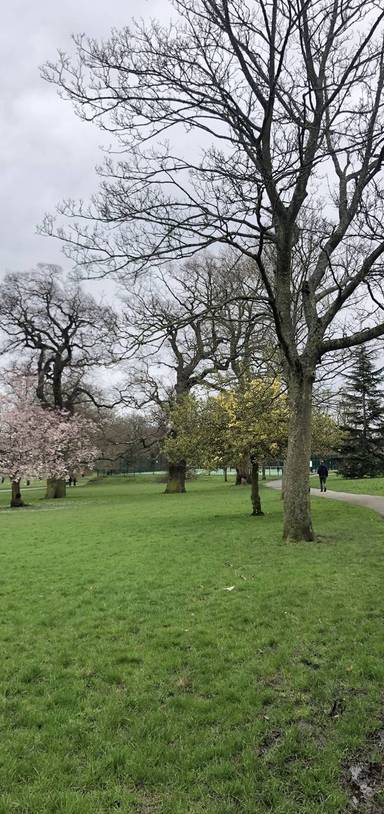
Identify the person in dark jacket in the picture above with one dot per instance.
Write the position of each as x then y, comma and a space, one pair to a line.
323, 474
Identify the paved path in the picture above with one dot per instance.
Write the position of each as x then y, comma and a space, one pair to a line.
369, 501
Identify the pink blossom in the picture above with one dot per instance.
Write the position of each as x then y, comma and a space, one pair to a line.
39, 442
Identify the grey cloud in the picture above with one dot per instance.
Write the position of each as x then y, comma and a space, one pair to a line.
46, 153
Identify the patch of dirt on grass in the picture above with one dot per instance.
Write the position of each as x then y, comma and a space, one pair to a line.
148, 805
364, 778
269, 740
326, 539
184, 684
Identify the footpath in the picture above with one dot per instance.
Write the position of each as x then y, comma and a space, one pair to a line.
369, 501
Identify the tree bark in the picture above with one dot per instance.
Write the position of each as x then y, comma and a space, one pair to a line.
225, 475
297, 509
243, 473
16, 499
56, 488
176, 478
255, 493
283, 480
264, 474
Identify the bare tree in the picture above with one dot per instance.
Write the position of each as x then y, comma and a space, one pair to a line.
191, 329
60, 333
285, 99
174, 332
128, 441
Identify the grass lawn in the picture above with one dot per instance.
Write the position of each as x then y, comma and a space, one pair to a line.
364, 486
133, 681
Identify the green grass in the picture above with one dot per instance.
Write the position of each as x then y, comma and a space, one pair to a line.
364, 486
132, 681
35, 491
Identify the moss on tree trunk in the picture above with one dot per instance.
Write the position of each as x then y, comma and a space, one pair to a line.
176, 478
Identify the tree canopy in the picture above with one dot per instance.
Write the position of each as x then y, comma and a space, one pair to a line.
271, 99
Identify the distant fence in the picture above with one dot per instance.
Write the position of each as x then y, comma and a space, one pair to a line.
272, 469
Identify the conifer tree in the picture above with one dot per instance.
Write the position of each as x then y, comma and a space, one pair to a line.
363, 419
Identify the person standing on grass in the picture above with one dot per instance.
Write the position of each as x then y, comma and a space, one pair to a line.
323, 474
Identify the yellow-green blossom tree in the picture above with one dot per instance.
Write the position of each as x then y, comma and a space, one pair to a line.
249, 422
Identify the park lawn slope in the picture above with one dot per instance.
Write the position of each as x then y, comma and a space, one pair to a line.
132, 680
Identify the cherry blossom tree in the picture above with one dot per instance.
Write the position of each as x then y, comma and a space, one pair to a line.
21, 434
69, 448
39, 442
51, 327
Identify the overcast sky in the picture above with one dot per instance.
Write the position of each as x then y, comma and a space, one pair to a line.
46, 153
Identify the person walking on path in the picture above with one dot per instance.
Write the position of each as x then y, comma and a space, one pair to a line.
323, 474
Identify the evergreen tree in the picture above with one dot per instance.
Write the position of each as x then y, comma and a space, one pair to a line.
363, 419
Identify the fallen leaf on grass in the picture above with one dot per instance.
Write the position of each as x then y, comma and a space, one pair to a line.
231, 588
355, 772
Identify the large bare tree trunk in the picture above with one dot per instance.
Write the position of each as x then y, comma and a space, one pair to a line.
16, 499
56, 488
297, 509
255, 493
176, 477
